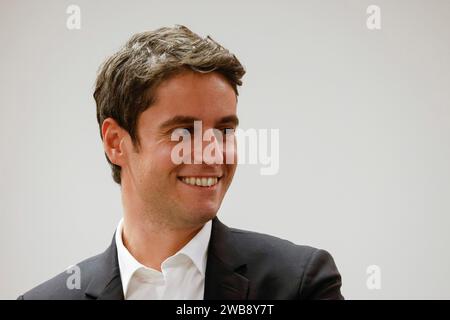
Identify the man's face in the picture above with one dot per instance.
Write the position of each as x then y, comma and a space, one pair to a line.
163, 187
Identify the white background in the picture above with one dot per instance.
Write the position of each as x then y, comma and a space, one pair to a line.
363, 118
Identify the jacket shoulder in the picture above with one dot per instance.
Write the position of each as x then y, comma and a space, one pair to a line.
304, 271
264, 246
67, 285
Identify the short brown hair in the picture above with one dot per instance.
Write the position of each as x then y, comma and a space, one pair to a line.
127, 80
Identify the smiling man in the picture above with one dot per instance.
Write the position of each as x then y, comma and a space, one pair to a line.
170, 244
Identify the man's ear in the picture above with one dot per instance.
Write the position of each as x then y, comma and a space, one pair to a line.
113, 138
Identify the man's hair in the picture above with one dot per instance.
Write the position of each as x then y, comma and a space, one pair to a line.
126, 82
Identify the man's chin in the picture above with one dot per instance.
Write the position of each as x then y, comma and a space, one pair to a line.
200, 216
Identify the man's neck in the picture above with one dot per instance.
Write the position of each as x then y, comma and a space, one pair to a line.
151, 244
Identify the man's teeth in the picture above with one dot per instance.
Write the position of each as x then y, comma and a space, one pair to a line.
202, 182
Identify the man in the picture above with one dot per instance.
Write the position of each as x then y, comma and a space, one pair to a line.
170, 244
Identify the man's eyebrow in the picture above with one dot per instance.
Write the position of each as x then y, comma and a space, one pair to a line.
188, 120
229, 119
178, 120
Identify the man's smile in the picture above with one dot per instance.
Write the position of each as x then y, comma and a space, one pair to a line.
201, 181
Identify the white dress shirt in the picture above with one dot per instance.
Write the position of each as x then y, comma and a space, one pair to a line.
182, 275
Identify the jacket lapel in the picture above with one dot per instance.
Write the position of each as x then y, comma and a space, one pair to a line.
224, 268
105, 283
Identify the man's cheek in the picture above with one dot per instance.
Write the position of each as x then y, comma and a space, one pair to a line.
155, 165
230, 152
162, 156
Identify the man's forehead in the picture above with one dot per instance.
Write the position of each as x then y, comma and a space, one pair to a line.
190, 86
189, 101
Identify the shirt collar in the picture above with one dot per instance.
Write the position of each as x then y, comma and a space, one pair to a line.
196, 250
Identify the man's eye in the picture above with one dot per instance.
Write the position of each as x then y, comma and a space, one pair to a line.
186, 130
227, 131
183, 131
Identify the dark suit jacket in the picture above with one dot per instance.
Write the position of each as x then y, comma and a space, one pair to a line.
240, 265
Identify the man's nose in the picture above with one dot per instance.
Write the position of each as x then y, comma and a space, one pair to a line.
210, 149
